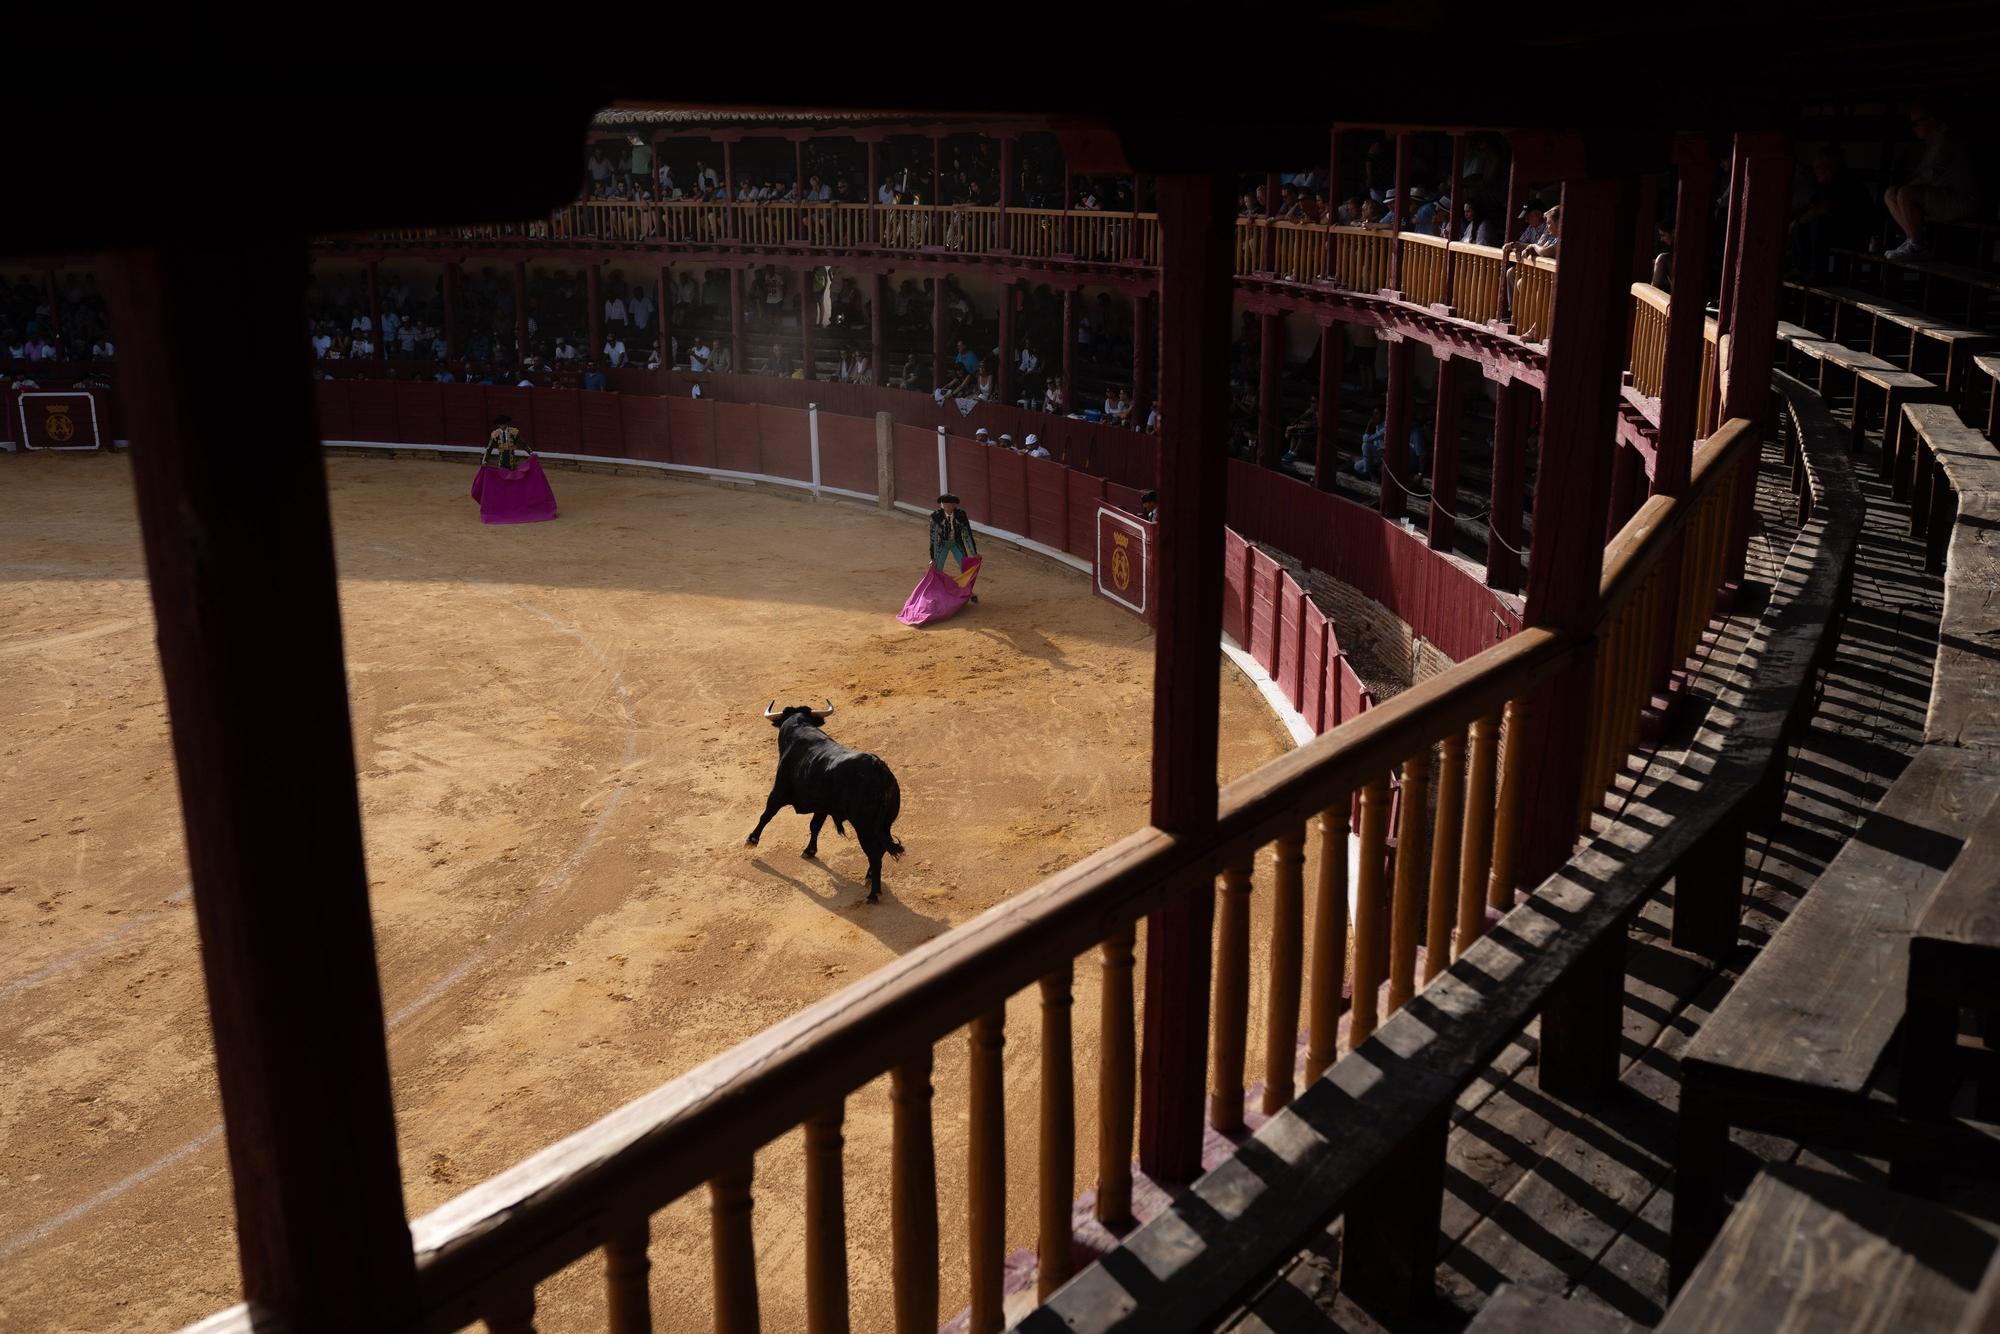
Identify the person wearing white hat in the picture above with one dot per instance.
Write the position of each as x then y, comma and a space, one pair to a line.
1006, 440
1036, 450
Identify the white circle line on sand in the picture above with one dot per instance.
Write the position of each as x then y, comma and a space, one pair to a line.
58, 966
549, 886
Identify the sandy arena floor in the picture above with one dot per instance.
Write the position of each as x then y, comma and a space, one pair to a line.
557, 734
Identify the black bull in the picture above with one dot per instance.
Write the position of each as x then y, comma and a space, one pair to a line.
818, 776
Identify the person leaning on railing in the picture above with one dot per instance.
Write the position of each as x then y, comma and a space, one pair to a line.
1514, 251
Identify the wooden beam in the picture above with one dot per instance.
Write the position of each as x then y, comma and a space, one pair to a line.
1572, 490
1511, 410
1753, 323
1332, 352
241, 563
1197, 228
1443, 525
1270, 370
1395, 501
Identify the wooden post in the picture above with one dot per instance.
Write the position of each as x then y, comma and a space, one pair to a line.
1369, 933
1232, 999
1681, 377
452, 347
1443, 526
1267, 245
826, 1226
1388, 1260
1625, 465
1281, 1003
913, 1223
729, 188
628, 1297
1270, 367
1329, 953
986, 1171
940, 321
1005, 371
593, 313
1143, 351
1753, 323
1197, 225
1445, 856
1476, 853
1006, 199
247, 622
739, 346
1057, 1147
885, 461
1326, 451
1117, 1046
1515, 188
1412, 865
520, 312
1571, 493
1583, 1019
1395, 501
374, 308
808, 313
663, 316
1503, 530
878, 327
1502, 878
1397, 208
1069, 353
729, 1206
1645, 218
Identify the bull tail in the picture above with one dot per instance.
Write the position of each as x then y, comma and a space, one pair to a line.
891, 809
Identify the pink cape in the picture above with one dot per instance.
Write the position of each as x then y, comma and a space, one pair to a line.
514, 495
937, 596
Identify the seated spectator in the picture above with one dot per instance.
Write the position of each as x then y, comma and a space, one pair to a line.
593, 377
41, 349
1945, 187
1036, 449
1534, 230
775, 363
1303, 430
102, 349
700, 357
1475, 227
614, 351
725, 359
362, 347
1372, 438
322, 344
1153, 419
445, 376
1052, 398
361, 323
653, 360
391, 321
406, 339
984, 386
565, 350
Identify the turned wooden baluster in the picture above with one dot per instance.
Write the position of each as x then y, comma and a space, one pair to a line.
913, 1221
513, 1314
1116, 1080
1507, 817
826, 1226
1368, 923
1058, 1137
735, 1250
986, 1172
1444, 855
1281, 1011
1411, 867
1477, 853
628, 1298
1232, 999
1329, 959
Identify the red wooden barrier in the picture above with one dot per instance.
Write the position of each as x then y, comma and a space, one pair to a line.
1006, 488
691, 432
643, 422
735, 436
916, 467
465, 419
1312, 674
1048, 502
601, 425
336, 418
1086, 493
554, 429
372, 410
1291, 638
419, 412
1236, 586
784, 443
506, 400
847, 453
1263, 643
965, 465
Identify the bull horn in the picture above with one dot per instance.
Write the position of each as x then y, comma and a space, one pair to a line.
827, 712
771, 709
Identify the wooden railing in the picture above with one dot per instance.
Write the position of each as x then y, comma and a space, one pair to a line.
1648, 345
1534, 297
1250, 244
1476, 281
1360, 258
1038, 232
1301, 251
1420, 899
1423, 276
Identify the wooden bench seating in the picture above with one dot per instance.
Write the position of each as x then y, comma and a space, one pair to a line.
1988, 367
1869, 376
1927, 344
1938, 461
1803, 1045
1516, 1310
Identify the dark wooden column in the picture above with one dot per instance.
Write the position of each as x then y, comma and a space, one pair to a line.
1069, 349
1645, 216
374, 307
1625, 467
940, 343
593, 312
1270, 369
1511, 409
738, 344
1006, 200
1402, 200
452, 346
520, 313
1332, 352
1395, 502
1443, 522
241, 563
1753, 323
1004, 373
1572, 489
1267, 245
1516, 187
808, 313
729, 186
1197, 233
878, 326
663, 316
874, 176
1680, 387
1451, 222
1144, 349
